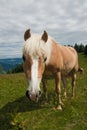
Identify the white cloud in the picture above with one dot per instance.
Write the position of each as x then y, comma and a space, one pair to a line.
65, 20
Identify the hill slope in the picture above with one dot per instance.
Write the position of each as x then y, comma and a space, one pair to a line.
17, 113
10, 63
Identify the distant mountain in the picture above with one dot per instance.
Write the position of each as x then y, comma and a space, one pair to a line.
10, 63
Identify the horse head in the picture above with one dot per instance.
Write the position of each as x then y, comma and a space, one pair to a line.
34, 60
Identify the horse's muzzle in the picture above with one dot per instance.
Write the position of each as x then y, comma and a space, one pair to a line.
33, 97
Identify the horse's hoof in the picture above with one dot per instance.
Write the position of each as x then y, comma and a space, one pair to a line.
59, 108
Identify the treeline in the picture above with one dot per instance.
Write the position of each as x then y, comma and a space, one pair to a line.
17, 69
80, 48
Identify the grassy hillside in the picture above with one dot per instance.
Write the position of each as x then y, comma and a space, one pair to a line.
17, 113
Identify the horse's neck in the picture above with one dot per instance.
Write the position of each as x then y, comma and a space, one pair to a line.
55, 55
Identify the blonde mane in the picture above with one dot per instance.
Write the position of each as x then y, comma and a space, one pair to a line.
35, 46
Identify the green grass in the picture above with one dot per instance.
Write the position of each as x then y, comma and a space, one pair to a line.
17, 113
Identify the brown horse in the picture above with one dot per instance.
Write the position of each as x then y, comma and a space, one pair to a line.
41, 53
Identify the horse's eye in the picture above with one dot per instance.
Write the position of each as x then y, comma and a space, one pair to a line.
23, 57
45, 59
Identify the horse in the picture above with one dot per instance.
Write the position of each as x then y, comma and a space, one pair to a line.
42, 53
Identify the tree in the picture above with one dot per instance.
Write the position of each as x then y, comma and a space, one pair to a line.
85, 50
1, 70
17, 69
81, 48
76, 47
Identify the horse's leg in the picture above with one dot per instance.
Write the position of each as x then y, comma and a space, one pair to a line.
64, 85
44, 81
58, 89
73, 83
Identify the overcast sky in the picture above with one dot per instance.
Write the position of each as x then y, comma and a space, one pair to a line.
64, 20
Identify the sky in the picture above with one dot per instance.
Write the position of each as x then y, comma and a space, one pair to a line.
64, 20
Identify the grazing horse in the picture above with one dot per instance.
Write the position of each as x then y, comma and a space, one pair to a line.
41, 53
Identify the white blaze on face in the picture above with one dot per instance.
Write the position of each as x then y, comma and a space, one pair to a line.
34, 83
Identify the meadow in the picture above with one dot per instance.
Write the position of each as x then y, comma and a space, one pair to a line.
18, 113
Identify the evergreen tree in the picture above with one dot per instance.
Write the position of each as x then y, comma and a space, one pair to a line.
1, 70
76, 47
85, 50
17, 69
81, 48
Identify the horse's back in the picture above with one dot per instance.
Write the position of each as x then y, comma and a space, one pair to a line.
70, 58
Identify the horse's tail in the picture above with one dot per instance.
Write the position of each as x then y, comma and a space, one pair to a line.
81, 70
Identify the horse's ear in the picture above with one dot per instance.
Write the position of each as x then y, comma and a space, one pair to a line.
44, 36
27, 34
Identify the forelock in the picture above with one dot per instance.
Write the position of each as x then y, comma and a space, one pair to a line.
35, 46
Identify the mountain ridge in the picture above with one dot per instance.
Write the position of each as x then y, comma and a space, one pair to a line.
10, 63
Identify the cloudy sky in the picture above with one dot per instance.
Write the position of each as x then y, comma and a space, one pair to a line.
64, 20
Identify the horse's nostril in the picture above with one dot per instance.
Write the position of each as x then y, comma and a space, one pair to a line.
39, 92
27, 93
36, 95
